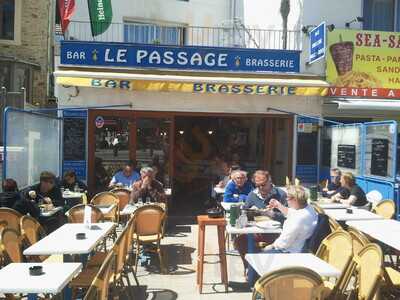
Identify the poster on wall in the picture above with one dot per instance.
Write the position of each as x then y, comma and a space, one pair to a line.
363, 64
379, 157
346, 155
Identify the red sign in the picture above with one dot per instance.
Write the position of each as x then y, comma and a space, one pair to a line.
67, 8
363, 92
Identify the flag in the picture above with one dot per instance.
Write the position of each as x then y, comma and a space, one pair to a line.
66, 9
100, 13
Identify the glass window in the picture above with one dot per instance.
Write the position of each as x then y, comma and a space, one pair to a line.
152, 34
7, 16
379, 15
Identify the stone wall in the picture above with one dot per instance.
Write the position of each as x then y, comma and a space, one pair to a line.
35, 16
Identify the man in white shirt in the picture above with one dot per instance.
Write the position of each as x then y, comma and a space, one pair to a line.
301, 220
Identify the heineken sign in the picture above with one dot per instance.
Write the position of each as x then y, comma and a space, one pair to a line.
100, 13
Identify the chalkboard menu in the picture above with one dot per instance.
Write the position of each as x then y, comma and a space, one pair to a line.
379, 157
74, 139
346, 156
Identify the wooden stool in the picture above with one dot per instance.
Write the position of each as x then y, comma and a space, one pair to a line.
203, 221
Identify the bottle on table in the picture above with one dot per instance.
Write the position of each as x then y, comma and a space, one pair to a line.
242, 220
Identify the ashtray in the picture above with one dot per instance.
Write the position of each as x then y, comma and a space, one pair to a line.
349, 211
81, 236
36, 270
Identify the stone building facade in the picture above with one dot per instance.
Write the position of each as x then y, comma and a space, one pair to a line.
26, 55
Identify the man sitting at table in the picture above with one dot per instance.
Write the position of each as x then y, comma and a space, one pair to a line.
48, 193
126, 177
301, 220
333, 186
238, 188
12, 198
260, 198
70, 181
147, 188
353, 194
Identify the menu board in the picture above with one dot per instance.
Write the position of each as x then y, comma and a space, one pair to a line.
346, 156
74, 139
379, 157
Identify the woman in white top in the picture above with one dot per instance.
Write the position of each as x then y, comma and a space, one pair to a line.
301, 220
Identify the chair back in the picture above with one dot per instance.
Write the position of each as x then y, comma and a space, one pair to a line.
123, 196
31, 230
385, 208
10, 218
11, 245
334, 224
119, 249
77, 213
317, 208
149, 220
107, 198
337, 249
369, 271
358, 238
99, 289
295, 283
321, 231
129, 238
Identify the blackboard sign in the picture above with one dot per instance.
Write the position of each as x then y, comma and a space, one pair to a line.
74, 139
379, 157
346, 156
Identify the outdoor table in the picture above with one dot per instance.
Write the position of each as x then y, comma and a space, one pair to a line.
106, 209
130, 208
15, 279
325, 204
357, 215
72, 198
385, 231
63, 240
253, 228
264, 263
51, 212
227, 205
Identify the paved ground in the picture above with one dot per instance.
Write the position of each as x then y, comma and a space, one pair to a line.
180, 283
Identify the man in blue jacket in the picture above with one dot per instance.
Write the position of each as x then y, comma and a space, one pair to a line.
238, 188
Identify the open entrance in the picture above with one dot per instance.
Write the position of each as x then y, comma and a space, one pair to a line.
204, 144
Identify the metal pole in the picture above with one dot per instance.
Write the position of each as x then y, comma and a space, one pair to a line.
302, 115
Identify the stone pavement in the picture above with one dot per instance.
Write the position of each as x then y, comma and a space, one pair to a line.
179, 247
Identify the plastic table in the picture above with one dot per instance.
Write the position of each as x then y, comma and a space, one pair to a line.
15, 278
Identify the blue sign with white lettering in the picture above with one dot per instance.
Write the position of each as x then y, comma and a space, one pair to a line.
317, 43
101, 54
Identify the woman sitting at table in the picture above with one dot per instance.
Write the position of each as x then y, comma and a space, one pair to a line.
70, 182
147, 188
11, 198
353, 194
238, 188
301, 220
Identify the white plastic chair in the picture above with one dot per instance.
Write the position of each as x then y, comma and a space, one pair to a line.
374, 197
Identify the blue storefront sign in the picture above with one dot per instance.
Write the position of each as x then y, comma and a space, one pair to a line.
317, 43
101, 54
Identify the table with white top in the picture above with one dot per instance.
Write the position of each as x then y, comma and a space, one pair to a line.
63, 240
168, 192
256, 228
72, 195
15, 279
333, 205
264, 263
357, 215
51, 212
385, 231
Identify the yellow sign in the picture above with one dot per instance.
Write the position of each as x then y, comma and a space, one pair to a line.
194, 87
363, 63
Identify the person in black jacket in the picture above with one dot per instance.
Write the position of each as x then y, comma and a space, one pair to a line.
70, 182
11, 198
47, 190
